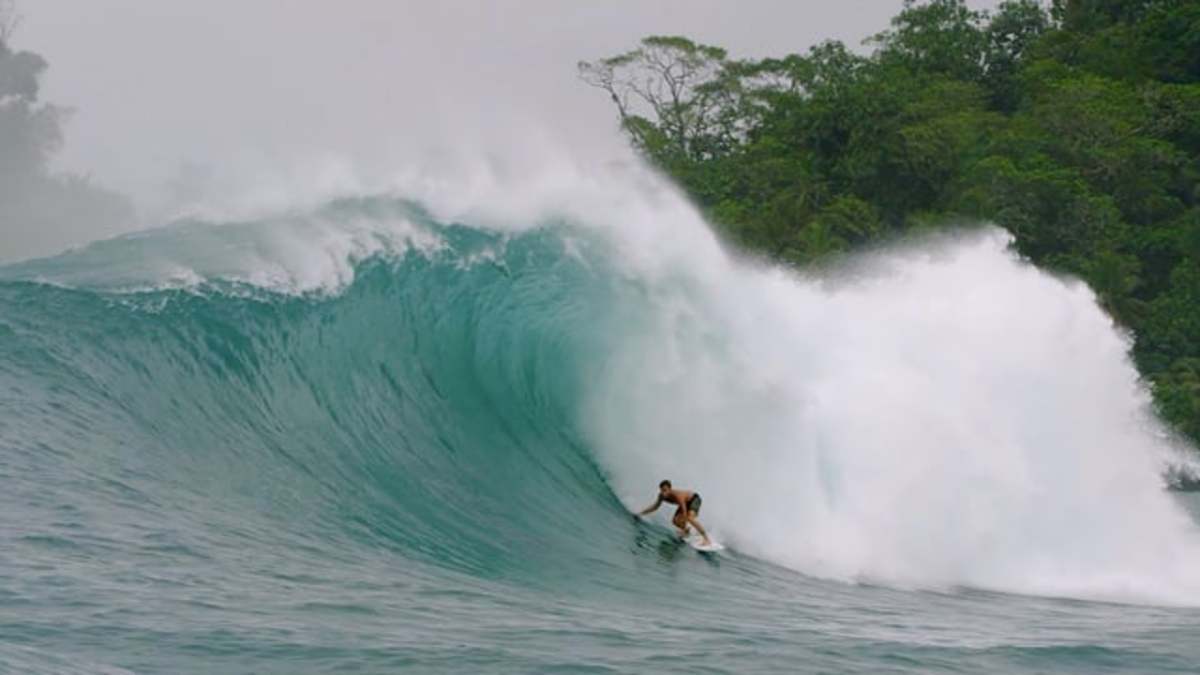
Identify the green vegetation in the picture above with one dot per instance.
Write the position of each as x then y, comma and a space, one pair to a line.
1074, 126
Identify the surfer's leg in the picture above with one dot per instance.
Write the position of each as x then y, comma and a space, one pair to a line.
691, 518
681, 522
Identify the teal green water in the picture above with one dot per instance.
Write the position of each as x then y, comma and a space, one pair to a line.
227, 479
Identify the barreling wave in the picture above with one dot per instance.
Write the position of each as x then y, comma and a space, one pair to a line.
426, 406
490, 400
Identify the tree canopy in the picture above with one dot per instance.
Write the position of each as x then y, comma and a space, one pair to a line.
1076, 126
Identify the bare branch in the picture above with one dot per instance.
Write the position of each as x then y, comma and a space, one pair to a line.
674, 96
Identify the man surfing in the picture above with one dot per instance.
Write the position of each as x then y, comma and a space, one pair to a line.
688, 508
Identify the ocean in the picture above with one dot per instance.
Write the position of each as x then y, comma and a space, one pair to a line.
368, 436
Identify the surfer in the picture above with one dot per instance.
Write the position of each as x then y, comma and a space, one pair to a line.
687, 508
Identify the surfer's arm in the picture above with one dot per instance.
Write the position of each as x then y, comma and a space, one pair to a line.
652, 507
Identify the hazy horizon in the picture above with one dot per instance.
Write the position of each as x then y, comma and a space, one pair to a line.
176, 102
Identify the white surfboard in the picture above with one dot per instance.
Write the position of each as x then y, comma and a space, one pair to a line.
697, 542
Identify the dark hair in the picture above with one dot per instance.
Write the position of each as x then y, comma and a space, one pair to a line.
665, 484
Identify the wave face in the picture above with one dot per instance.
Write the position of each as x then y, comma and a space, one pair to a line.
427, 406
370, 413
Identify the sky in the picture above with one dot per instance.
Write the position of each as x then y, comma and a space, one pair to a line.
171, 94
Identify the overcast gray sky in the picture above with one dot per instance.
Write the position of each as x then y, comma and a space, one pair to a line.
219, 84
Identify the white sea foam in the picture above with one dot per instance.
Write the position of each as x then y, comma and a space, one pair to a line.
937, 415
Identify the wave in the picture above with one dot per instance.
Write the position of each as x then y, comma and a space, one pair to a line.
490, 397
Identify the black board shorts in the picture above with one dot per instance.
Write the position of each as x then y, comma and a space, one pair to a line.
693, 504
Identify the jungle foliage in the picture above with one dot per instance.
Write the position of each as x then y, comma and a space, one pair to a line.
1076, 126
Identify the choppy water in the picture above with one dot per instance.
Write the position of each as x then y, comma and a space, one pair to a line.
364, 441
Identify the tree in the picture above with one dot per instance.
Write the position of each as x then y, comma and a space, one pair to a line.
1168, 40
940, 37
1011, 35
673, 96
29, 132
42, 211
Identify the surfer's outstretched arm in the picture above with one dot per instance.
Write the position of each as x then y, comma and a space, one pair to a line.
653, 507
